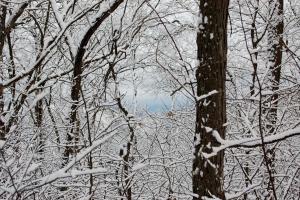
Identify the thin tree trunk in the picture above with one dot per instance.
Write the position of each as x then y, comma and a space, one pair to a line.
210, 111
73, 135
254, 58
2, 40
275, 59
2, 29
2, 125
126, 157
275, 39
5, 30
39, 112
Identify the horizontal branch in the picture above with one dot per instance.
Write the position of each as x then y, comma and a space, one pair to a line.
250, 142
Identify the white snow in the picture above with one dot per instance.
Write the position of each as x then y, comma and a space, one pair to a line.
250, 142
208, 129
205, 20
199, 98
33, 167
2, 143
139, 166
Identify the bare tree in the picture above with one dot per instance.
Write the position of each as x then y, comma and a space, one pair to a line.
6, 26
107, 99
77, 73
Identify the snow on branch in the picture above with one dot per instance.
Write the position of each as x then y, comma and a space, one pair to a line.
44, 53
250, 142
11, 21
65, 171
244, 191
204, 96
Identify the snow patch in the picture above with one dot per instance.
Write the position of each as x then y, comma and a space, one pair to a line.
2, 143
138, 166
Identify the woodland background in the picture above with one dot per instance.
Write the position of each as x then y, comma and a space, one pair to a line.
79, 83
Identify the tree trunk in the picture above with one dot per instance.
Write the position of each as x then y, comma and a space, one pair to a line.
275, 39
2, 125
2, 40
39, 113
275, 58
5, 30
210, 111
73, 135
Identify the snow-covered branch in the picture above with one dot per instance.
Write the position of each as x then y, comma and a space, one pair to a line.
250, 142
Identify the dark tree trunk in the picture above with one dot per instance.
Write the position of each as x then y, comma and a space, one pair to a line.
275, 58
39, 113
2, 40
275, 39
2, 28
210, 111
2, 125
5, 30
73, 135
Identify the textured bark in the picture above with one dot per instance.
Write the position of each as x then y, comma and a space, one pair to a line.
275, 58
2, 125
2, 40
211, 111
2, 28
275, 38
39, 113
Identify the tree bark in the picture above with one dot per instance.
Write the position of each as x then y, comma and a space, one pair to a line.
2, 40
39, 113
275, 33
210, 111
275, 39
5, 30
2, 125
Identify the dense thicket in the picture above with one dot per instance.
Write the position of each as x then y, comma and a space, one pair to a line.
79, 115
